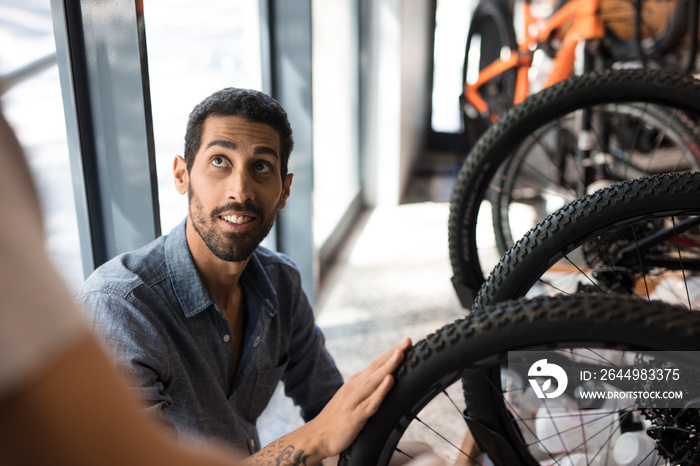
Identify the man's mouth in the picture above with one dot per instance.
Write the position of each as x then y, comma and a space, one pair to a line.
238, 219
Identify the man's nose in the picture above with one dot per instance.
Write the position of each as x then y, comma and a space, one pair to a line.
240, 185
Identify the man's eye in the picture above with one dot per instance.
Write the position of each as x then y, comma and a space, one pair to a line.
263, 167
219, 161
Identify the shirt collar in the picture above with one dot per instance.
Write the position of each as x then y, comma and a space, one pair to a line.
189, 288
258, 288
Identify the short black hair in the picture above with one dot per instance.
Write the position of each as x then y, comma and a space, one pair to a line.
251, 105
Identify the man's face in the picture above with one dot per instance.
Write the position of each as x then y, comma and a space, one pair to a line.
234, 188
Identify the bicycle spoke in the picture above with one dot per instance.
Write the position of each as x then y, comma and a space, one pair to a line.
641, 264
680, 260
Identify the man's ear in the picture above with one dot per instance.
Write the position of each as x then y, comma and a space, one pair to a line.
182, 179
285, 191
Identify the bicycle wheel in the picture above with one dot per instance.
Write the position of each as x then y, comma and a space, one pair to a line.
561, 142
641, 237
490, 33
549, 175
644, 28
594, 332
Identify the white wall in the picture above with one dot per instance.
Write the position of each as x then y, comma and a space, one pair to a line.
395, 90
416, 63
335, 113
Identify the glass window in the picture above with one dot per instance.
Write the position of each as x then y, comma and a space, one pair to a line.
195, 47
34, 108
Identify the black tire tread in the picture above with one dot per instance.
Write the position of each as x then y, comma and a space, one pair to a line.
516, 324
669, 192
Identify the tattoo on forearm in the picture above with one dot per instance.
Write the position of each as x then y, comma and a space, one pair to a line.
292, 456
279, 453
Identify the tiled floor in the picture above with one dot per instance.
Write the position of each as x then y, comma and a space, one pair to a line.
392, 280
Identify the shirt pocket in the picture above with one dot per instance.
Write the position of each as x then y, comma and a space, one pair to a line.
266, 381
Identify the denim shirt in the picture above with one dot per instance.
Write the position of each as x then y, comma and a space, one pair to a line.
163, 327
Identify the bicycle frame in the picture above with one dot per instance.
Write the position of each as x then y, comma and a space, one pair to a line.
586, 24
629, 256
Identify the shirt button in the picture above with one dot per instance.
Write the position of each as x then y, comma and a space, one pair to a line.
227, 337
256, 342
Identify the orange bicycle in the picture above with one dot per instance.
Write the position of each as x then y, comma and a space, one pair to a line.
497, 67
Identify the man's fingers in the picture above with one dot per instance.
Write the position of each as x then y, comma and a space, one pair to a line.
382, 359
371, 403
366, 390
391, 359
369, 387
368, 380
359, 398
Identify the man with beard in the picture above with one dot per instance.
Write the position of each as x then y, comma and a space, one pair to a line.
63, 403
207, 321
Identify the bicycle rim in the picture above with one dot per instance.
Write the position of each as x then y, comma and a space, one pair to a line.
645, 28
545, 172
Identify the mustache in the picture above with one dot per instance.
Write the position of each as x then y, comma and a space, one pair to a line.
246, 206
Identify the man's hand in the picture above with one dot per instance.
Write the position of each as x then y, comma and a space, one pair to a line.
358, 399
335, 428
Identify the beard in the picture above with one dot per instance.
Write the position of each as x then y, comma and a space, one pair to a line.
229, 246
